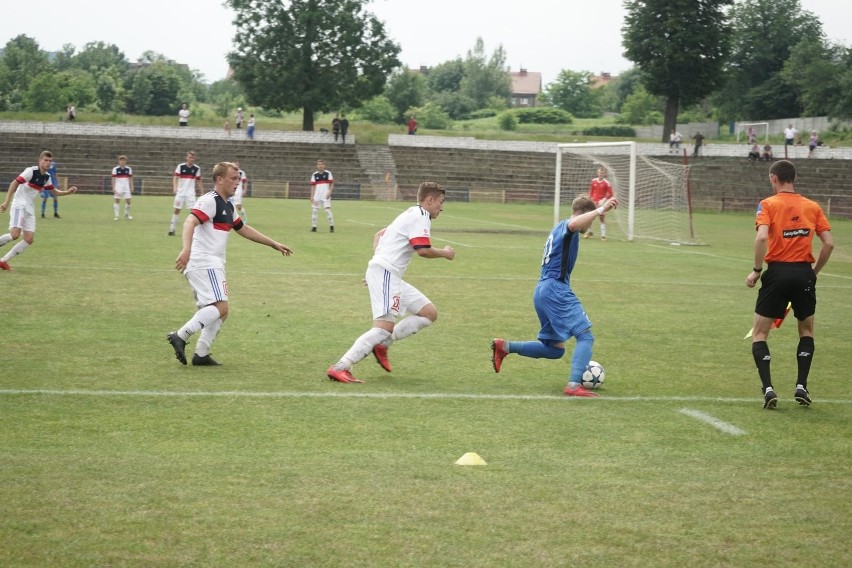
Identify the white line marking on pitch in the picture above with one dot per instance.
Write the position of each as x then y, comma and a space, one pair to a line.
714, 422
379, 395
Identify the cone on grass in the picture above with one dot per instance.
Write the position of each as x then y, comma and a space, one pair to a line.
471, 458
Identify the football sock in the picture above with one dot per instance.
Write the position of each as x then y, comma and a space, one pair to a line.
202, 318
804, 356
314, 216
126, 210
174, 223
603, 230
16, 250
534, 349
7, 238
760, 352
409, 325
207, 337
330, 217
115, 209
362, 347
581, 356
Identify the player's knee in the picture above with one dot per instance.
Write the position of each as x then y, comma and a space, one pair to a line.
429, 311
223, 310
29, 238
586, 336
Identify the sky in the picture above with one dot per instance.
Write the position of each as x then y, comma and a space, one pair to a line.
546, 36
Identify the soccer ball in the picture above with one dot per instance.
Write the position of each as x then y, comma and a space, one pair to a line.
593, 376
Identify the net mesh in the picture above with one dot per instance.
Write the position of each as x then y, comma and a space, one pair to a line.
661, 203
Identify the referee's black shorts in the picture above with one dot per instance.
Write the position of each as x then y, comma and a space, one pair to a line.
783, 282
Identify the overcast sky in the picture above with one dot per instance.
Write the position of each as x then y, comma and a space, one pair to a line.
540, 35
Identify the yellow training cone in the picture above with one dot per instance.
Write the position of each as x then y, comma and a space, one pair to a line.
471, 458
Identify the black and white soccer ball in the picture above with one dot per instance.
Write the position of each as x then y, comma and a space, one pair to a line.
593, 376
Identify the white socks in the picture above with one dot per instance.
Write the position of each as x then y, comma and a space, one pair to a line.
408, 326
362, 347
207, 337
7, 238
203, 318
16, 250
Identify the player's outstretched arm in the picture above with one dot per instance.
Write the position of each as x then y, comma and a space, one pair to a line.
431, 252
253, 234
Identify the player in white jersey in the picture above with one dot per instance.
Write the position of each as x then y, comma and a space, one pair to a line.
390, 295
22, 219
322, 186
237, 200
202, 261
186, 185
122, 187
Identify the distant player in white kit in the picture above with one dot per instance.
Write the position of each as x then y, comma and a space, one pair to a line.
391, 296
186, 185
237, 199
122, 187
202, 261
322, 186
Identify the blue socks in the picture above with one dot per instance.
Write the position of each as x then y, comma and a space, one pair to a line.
535, 349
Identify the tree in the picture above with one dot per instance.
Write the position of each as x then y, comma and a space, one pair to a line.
50, 92
21, 62
405, 89
309, 54
483, 77
572, 91
821, 73
446, 76
680, 47
764, 35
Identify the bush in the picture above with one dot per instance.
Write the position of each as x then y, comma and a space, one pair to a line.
507, 121
432, 116
377, 110
542, 115
483, 113
615, 131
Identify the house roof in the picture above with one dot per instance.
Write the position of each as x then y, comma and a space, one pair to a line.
526, 82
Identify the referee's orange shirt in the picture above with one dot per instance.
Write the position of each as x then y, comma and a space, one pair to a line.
793, 221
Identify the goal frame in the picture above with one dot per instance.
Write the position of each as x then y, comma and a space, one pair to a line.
631, 198
741, 127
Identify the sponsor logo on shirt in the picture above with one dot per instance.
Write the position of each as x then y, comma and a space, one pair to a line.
795, 233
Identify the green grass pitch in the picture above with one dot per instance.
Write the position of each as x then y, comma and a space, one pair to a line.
114, 454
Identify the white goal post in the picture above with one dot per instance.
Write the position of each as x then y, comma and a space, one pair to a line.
653, 194
742, 127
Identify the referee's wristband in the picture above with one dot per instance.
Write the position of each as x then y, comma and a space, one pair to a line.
758, 270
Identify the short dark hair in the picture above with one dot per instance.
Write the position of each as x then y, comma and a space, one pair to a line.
785, 170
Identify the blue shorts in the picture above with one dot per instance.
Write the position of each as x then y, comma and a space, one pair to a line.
559, 311
45, 194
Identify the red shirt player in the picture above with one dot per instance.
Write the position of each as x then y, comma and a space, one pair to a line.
599, 191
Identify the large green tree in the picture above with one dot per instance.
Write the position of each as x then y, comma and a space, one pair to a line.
821, 75
485, 77
21, 62
310, 55
405, 89
680, 47
572, 92
764, 35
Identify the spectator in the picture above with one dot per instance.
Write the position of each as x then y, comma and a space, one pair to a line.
752, 135
228, 127
335, 126
183, 115
789, 135
250, 128
238, 118
767, 153
344, 127
412, 125
754, 153
71, 113
698, 138
799, 140
813, 142
674, 141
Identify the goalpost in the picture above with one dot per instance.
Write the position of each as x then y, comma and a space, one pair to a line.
654, 198
742, 127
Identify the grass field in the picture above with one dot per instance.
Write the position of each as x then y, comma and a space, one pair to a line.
114, 454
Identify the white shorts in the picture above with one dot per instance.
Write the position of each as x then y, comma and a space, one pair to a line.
322, 196
208, 285
391, 296
237, 199
122, 194
22, 218
184, 200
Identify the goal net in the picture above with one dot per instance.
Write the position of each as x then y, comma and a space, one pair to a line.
653, 195
752, 132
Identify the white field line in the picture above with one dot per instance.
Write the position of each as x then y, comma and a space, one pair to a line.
381, 396
714, 422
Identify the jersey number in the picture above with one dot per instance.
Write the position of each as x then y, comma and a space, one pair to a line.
548, 250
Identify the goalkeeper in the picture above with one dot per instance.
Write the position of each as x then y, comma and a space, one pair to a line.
599, 191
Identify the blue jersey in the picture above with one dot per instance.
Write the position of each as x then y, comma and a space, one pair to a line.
560, 253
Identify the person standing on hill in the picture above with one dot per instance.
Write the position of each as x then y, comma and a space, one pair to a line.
202, 261
390, 295
344, 128
322, 186
600, 191
238, 118
183, 116
122, 187
250, 127
22, 217
786, 224
412, 125
186, 186
559, 310
335, 126
698, 140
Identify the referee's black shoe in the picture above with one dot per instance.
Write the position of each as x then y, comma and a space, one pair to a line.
770, 399
802, 396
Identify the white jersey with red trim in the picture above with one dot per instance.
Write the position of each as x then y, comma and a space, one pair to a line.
211, 237
122, 177
407, 233
321, 183
31, 183
187, 175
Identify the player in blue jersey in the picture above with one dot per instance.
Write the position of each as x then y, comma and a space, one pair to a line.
559, 310
45, 193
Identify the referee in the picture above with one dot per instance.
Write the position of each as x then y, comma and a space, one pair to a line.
786, 224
